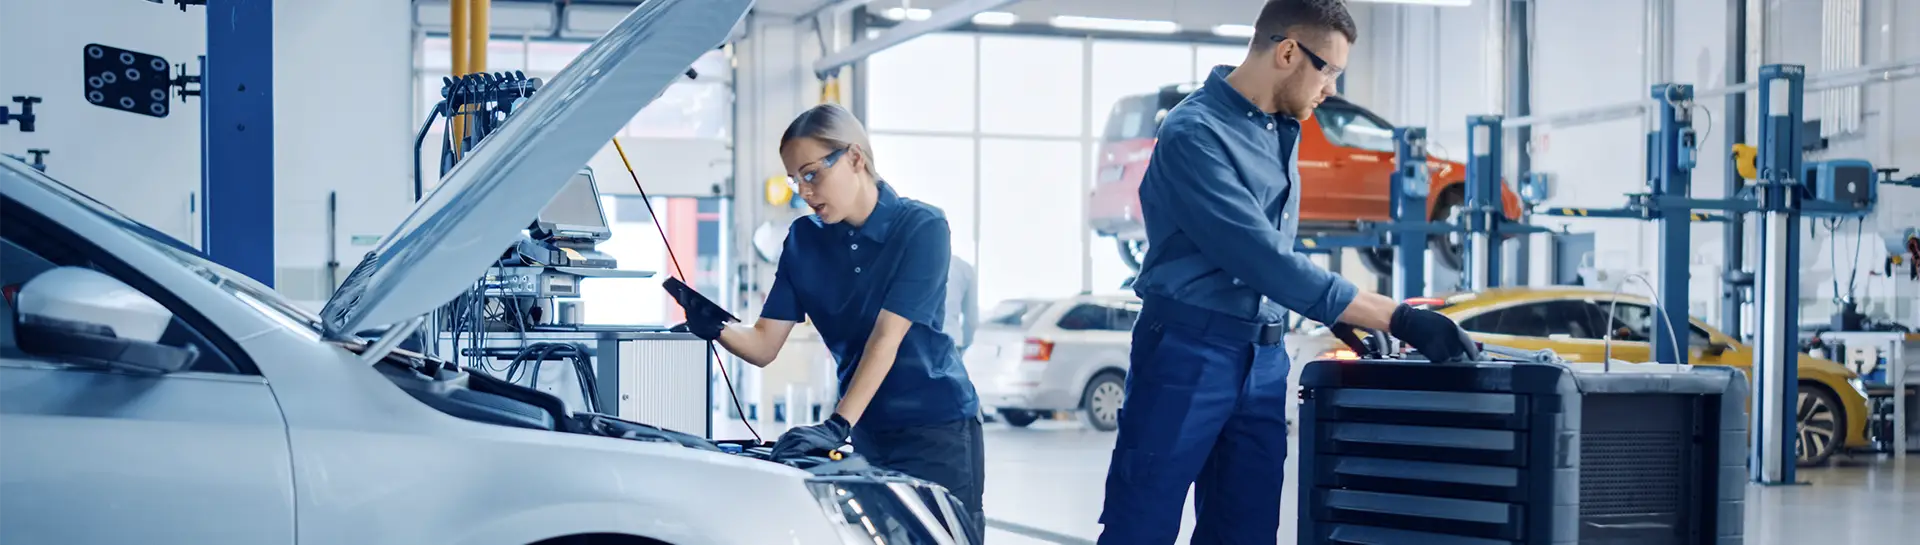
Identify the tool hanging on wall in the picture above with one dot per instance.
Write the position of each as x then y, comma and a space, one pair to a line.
25, 116
39, 159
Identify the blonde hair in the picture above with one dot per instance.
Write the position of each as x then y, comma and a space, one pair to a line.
835, 126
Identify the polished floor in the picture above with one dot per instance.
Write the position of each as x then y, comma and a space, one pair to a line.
1044, 485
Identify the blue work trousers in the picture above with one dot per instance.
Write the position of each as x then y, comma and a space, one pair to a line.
1206, 410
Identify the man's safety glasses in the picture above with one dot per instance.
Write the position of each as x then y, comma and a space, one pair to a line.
1330, 70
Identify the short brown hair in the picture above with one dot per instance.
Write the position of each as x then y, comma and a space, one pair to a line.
1278, 16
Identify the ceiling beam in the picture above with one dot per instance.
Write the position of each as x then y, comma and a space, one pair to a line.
941, 19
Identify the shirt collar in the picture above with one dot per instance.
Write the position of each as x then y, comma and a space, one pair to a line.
880, 222
1225, 96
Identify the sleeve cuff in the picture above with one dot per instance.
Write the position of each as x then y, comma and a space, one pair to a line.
1333, 302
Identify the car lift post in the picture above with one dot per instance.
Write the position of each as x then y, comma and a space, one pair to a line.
1673, 155
1409, 191
1484, 209
1778, 195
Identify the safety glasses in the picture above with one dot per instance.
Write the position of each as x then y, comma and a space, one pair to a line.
806, 179
1331, 70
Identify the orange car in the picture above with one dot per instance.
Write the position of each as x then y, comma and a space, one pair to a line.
1346, 169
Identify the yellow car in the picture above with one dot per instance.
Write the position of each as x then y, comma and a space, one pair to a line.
1573, 323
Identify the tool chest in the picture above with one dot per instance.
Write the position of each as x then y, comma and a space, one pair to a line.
1520, 452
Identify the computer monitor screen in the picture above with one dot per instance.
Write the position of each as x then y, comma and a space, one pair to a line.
576, 208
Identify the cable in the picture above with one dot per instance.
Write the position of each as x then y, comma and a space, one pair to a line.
1859, 227
1665, 319
683, 274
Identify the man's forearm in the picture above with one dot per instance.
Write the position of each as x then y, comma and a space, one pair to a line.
1370, 310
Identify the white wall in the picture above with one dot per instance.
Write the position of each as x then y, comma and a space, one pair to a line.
341, 103
145, 167
343, 88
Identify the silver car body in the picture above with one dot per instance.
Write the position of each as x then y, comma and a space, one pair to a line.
1007, 379
310, 444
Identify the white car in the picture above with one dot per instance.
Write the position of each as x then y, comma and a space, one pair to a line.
148, 395
1037, 356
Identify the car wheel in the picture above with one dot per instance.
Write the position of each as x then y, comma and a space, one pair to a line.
1102, 400
1019, 418
1822, 427
1450, 247
1378, 261
1132, 252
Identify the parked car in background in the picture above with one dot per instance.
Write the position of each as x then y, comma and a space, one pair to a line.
1346, 165
1032, 357
1574, 323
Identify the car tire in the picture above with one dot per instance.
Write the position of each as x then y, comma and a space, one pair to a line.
1451, 203
1019, 418
1102, 400
1132, 252
1378, 261
1822, 426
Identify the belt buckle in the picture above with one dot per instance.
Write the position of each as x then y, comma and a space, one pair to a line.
1272, 333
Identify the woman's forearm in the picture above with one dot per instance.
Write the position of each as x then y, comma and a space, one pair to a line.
753, 344
881, 351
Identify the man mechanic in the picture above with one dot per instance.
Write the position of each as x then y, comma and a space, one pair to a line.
1207, 392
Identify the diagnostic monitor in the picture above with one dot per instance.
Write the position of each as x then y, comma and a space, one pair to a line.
576, 211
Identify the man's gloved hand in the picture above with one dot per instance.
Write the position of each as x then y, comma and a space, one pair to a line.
811, 440
1433, 334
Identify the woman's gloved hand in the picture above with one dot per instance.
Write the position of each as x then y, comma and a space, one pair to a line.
707, 329
811, 440
1433, 334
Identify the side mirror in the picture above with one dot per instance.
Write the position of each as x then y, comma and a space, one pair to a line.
1716, 349
80, 316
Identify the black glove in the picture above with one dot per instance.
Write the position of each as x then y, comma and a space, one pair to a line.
812, 440
1433, 334
705, 329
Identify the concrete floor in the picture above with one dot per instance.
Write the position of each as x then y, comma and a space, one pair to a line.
1048, 481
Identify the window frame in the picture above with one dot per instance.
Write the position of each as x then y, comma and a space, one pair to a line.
97, 258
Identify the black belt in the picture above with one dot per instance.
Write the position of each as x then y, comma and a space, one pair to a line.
1209, 322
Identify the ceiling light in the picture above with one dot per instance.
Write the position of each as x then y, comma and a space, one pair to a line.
995, 18
1118, 25
1234, 31
901, 14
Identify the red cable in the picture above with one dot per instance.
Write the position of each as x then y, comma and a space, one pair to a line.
683, 277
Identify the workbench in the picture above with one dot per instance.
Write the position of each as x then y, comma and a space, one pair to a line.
1900, 375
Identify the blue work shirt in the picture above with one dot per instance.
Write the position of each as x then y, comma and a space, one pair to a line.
841, 277
1221, 200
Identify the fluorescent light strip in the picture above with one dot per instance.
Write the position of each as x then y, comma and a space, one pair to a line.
1234, 31
1119, 25
902, 14
995, 18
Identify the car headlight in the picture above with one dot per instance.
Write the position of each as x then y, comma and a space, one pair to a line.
1859, 385
887, 511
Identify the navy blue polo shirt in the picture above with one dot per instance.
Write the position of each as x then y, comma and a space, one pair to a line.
841, 277
1221, 200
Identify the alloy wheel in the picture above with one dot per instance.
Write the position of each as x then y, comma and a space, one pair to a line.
1819, 427
1105, 401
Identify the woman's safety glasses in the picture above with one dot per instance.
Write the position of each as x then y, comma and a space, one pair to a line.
807, 179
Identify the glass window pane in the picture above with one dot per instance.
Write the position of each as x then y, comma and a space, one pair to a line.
688, 109
937, 170
552, 56
1122, 69
1030, 218
1031, 86
503, 55
1208, 56
925, 84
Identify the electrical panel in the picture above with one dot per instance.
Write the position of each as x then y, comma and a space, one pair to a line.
1847, 182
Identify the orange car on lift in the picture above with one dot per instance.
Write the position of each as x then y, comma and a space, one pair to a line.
1346, 169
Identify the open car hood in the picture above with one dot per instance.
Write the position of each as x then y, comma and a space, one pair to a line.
480, 207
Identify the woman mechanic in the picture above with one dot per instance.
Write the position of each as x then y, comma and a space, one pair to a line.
869, 268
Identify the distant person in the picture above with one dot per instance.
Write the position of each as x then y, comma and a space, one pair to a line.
963, 303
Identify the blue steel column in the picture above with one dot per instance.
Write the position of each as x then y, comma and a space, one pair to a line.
1733, 237
1484, 209
1781, 93
1409, 193
1673, 178
236, 157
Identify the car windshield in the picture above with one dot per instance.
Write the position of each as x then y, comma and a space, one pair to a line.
1015, 312
254, 293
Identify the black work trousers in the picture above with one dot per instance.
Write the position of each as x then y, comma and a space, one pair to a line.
949, 454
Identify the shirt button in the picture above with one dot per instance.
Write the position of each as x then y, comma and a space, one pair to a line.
856, 246
856, 270
1269, 126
